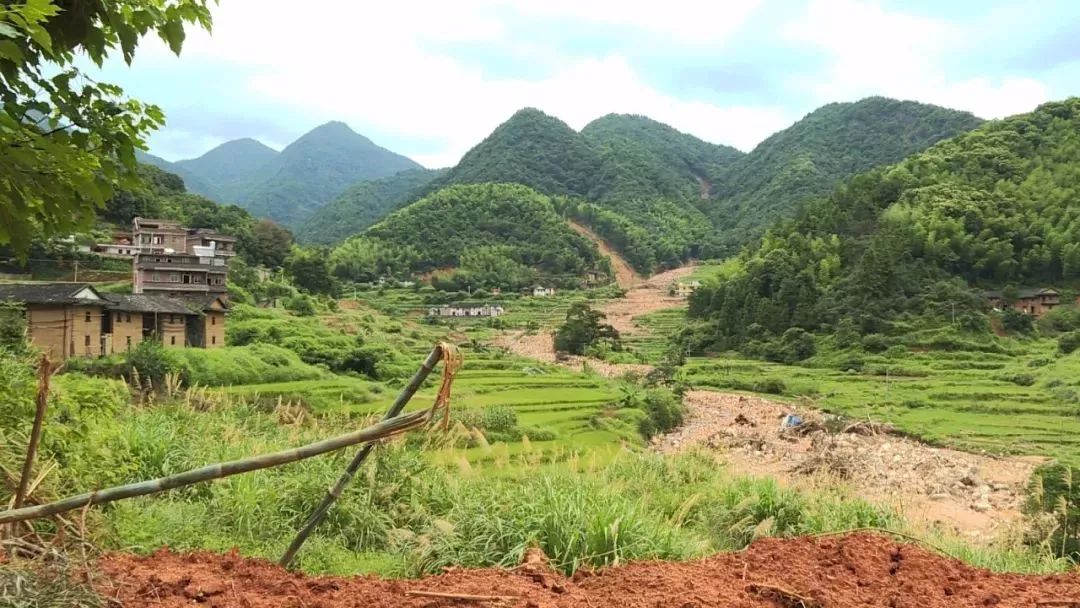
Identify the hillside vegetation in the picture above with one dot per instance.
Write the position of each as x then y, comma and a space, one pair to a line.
231, 169
808, 159
902, 244
502, 232
363, 204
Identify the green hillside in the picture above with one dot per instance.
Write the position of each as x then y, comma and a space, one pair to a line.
363, 204
808, 159
230, 169
532, 149
506, 232
901, 245
192, 182
643, 158
313, 170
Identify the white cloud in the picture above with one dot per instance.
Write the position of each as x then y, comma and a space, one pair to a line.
873, 51
371, 68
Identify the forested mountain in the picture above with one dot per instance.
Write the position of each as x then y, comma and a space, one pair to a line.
532, 149
316, 168
363, 204
809, 158
231, 169
192, 182
642, 158
993, 207
492, 234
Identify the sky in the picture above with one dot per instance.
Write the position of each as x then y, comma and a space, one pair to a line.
432, 79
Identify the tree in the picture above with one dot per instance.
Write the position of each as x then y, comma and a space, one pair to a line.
66, 141
270, 244
310, 269
582, 329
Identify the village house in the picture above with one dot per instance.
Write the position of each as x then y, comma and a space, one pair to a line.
1035, 302
539, 291
63, 319
683, 289
472, 311
75, 320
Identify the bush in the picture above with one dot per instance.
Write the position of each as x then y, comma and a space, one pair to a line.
875, 343
1069, 342
1017, 322
772, 386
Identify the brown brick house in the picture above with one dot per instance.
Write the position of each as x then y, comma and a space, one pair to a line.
134, 318
71, 319
63, 319
1035, 302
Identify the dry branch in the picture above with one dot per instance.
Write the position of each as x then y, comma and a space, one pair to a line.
463, 596
42, 403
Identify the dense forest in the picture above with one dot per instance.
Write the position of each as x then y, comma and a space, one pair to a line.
993, 207
492, 235
809, 158
363, 204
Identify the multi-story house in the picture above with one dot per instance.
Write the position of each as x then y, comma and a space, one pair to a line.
174, 260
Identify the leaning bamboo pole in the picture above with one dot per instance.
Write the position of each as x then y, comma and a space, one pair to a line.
450, 359
42, 404
381, 430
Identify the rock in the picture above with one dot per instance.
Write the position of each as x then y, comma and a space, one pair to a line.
981, 507
940, 496
970, 480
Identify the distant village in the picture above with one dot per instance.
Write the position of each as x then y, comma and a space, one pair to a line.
179, 296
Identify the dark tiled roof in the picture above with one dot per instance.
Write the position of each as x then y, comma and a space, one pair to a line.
46, 293
147, 303
202, 303
1025, 293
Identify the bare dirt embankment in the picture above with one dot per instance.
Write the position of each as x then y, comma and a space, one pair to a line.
646, 295
970, 494
625, 275
829, 572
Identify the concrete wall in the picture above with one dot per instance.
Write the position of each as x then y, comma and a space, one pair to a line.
126, 330
214, 322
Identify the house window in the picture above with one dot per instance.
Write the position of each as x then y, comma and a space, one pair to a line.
129, 342
156, 277
187, 279
71, 348
213, 339
87, 342
127, 317
213, 320
172, 340
88, 316
174, 277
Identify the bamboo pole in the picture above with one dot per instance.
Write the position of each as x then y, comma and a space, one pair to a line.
381, 430
44, 372
335, 490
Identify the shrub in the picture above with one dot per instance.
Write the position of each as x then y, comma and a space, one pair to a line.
772, 386
1017, 322
1069, 342
875, 343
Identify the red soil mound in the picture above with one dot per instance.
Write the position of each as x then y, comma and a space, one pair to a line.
856, 570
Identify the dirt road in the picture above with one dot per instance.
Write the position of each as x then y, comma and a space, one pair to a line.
970, 494
647, 296
833, 572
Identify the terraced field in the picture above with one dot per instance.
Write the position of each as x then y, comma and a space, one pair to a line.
559, 402
1021, 402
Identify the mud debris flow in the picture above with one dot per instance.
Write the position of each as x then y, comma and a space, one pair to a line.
967, 493
831, 572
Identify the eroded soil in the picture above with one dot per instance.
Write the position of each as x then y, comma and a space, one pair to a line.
827, 572
972, 494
